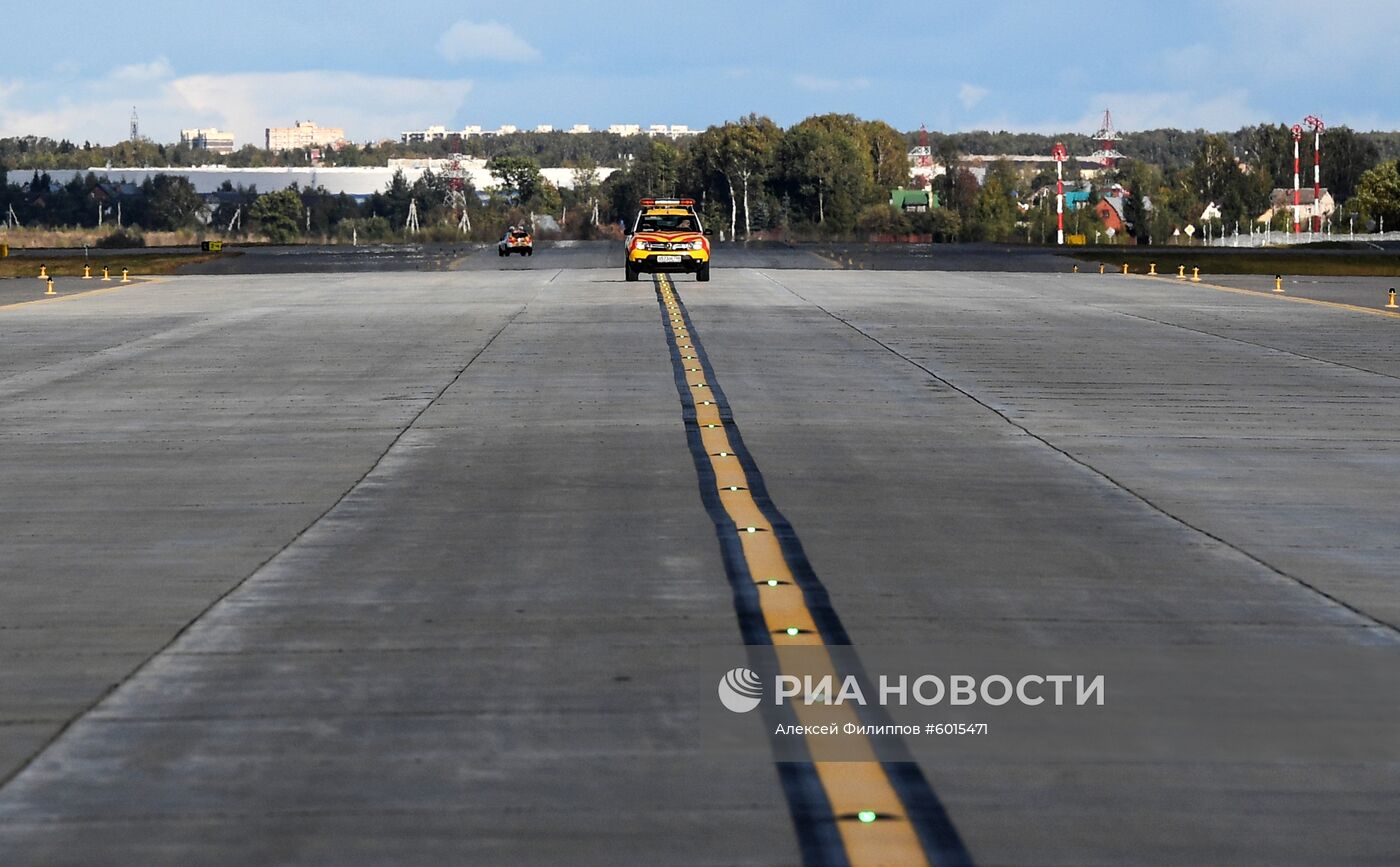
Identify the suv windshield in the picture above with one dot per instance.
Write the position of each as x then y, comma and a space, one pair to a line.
667, 223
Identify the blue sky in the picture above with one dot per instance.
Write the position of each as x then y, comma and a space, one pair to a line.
379, 68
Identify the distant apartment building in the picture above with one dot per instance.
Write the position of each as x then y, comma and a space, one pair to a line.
304, 134
432, 133
438, 133
675, 130
209, 139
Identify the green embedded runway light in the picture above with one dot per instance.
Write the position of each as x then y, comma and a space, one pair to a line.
724, 454
750, 529
867, 816
793, 630
734, 488
772, 582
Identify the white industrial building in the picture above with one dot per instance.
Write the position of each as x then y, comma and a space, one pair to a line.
356, 181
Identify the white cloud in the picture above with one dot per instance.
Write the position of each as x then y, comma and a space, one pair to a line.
365, 106
469, 40
155, 70
829, 85
970, 95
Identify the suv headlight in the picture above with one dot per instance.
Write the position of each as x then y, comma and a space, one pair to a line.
697, 244
640, 245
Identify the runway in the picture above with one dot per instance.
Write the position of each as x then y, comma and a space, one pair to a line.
415, 567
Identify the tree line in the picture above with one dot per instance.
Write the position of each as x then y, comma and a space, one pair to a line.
829, 175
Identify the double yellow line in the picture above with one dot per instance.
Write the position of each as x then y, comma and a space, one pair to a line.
871, 818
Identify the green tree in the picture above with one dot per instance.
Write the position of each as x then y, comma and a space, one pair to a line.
827, 161
1378, 194
1216, 175
889, 154
520, 175
171, 202
279, 215
994, 214
1143, 182
741, 154
883, 219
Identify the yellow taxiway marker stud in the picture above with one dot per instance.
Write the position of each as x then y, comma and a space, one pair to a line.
1125, 267
106, 273
743, 511
716, 440
126, 278
49, 290
43, 272
1181, 272
861, 788
1152, 269
87, 272
1392, 303
729, 474
1102, 267
1278, 283
869, 815
1075, 270
1195, 275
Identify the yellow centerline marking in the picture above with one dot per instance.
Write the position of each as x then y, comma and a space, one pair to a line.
86, 293
1297, 299
850, 786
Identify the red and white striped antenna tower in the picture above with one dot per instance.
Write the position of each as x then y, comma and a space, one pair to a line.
456, 175
1297, 177
1060, 155
1318, 128
921, 157
1107, 137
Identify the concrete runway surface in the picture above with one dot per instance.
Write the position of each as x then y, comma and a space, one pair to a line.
404, 568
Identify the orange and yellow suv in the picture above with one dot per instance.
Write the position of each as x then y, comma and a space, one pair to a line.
667, 237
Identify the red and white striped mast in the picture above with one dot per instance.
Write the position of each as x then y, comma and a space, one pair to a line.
1060, 155
1297, 181
1318, 128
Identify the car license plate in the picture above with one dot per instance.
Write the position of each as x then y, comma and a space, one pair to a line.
668, 260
